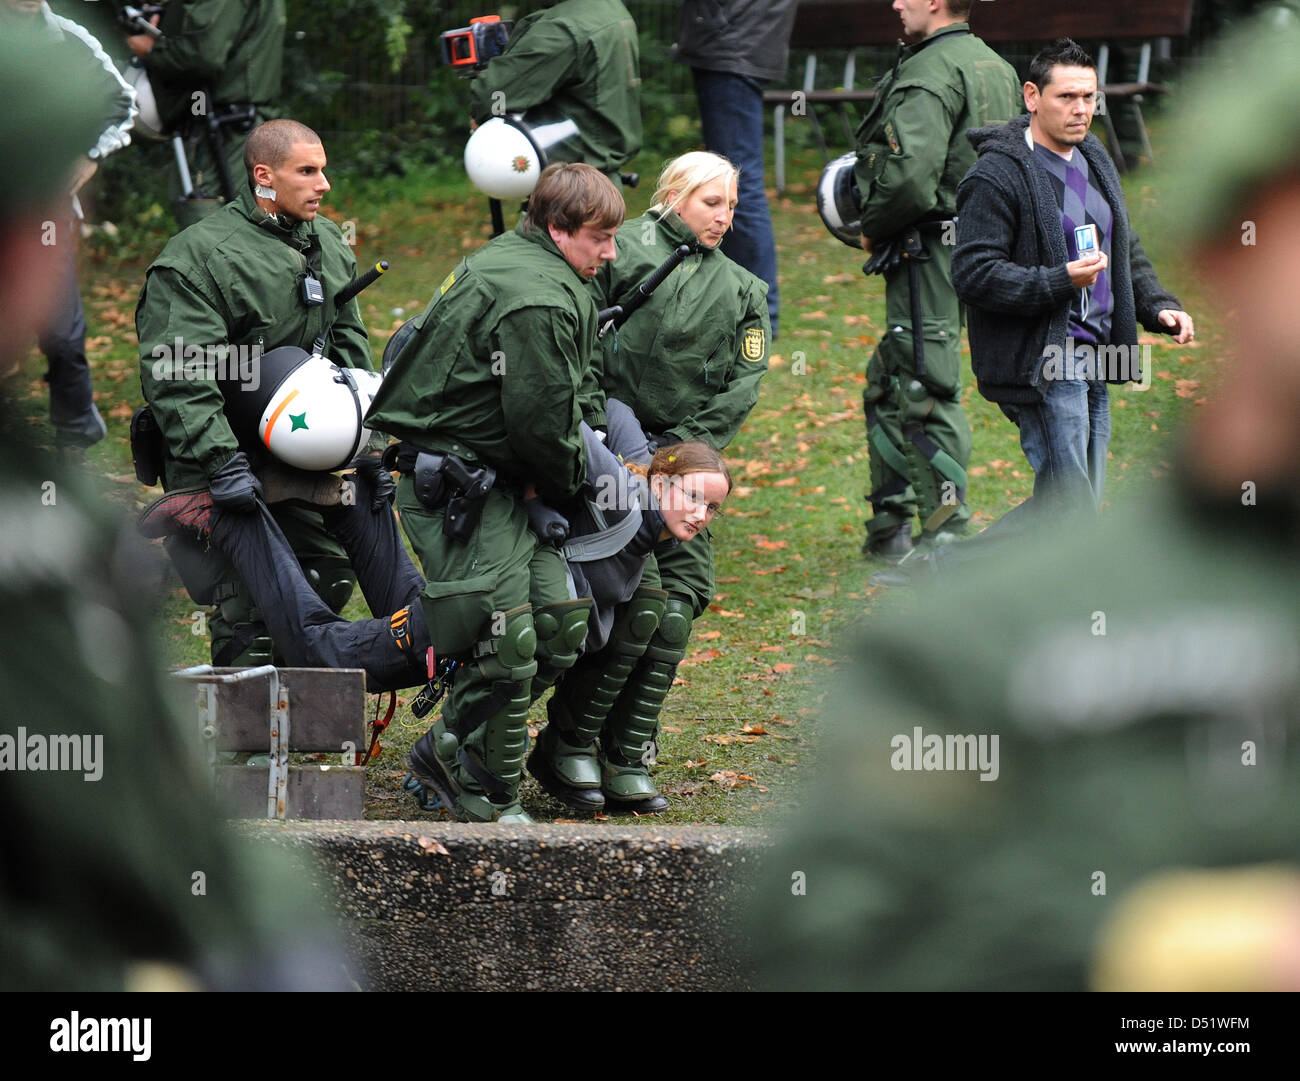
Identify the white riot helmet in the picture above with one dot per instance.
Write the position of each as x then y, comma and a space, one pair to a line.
149, 121
307, 411
506, 154
838, 201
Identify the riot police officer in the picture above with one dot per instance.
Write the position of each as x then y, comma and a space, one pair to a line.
260, 273
912, 151
576, 59
688, 363
485, 393
214, 70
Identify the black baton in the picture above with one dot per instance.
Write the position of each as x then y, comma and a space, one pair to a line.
613, 318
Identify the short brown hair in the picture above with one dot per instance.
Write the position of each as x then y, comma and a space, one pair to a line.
570, 195
959, 8
272, 143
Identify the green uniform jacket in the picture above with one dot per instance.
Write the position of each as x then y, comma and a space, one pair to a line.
688, 362
912, 147
136, 817
581, 58
1140, 675
235, 277
232, 48
495, 364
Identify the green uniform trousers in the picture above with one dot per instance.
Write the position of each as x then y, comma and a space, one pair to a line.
917, 434
686, 570
470, 586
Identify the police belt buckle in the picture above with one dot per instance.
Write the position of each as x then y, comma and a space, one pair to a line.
912, 244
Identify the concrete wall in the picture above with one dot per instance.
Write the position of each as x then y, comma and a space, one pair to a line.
442, 906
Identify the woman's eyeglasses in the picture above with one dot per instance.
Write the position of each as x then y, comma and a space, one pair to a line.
713, 510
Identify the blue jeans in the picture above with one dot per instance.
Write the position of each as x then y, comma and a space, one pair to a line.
1065, 439
731, 114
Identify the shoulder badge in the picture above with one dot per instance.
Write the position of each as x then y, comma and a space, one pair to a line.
892, 137
447, 283
754, 344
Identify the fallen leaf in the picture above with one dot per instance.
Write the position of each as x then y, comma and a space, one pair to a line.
432, 847
719, 610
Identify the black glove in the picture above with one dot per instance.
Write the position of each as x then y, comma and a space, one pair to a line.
234, 487
550, 525
886, 255
381, 482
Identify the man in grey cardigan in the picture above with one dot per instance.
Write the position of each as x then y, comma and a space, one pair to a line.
1055, 279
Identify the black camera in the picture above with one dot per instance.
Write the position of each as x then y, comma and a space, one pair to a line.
136, 20
471, 47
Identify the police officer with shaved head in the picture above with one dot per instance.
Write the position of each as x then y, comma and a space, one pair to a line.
260, 273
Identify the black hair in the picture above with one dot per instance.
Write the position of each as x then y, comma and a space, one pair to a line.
1065, 51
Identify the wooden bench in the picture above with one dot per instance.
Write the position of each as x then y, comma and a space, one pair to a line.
854, 24
283, 710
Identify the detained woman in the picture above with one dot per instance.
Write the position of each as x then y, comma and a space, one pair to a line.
688, 363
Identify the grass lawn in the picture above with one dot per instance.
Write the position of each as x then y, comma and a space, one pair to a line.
740, 729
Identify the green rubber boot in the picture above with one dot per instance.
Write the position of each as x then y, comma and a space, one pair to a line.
565, 759
477, 776
628, 739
